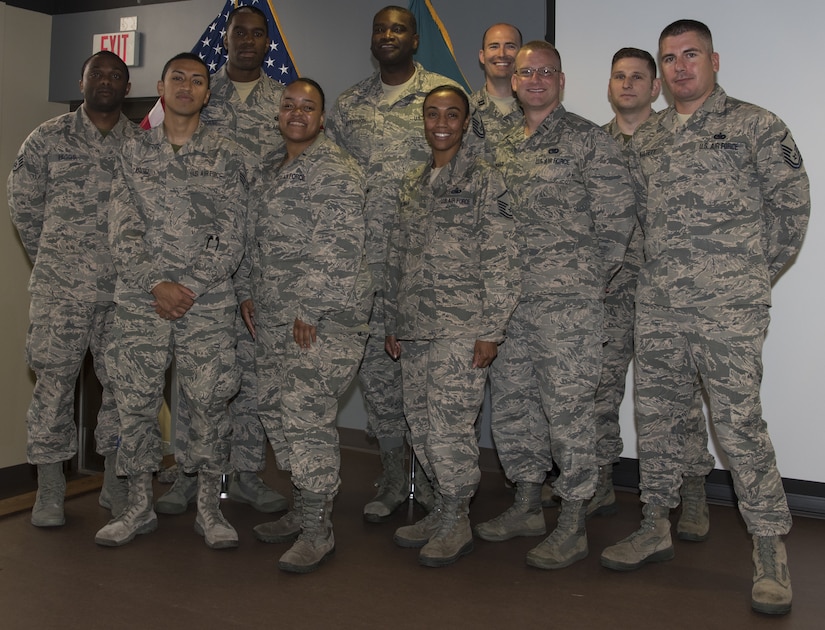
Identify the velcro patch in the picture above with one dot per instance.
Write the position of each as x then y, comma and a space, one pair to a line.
790, 153
18, 163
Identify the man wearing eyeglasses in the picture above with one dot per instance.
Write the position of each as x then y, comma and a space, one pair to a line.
575, 212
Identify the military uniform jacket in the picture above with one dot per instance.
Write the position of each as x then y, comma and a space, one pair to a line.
452, 268
178, 216
306, 242
574, 206
387, 141
489, 126
255, 121
727, 206
58, 194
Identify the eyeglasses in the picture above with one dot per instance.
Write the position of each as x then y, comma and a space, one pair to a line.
546, 71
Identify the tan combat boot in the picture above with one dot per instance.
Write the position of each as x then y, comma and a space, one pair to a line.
316, 541
137, 518
650, 543
694, 522
210, 522
286, 528
568, 542
523, 518
454, 537
771, 592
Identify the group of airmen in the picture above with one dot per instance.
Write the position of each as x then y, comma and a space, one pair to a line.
423, 241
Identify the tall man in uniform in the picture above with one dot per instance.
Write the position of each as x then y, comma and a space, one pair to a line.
176, 233
631, 90
379, 121
727, 206
244, 104
59, 198
575, 215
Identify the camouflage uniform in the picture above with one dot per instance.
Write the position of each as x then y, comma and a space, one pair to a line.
254, 126
452, 279
59, 198
617, 352
176, 217
574, 208
489, 126
386, 141
727, 206
306, 249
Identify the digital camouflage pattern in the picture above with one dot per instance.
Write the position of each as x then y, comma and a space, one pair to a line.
253, 124
177, 217
308, 262
488, 125
58, 193
452, 278
574, 214
617, 353
721, 242
387, 140
727, 206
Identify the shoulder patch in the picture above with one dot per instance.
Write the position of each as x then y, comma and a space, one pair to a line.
478, 125
18, 163
790, 153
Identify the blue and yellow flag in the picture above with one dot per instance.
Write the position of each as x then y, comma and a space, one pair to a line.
435, 50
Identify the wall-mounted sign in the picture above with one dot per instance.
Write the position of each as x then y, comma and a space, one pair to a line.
125, 45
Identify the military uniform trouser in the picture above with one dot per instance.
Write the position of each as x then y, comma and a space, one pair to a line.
60, 332
247, 451
380, 379
543, 384
203, 344
443, 394
298, 395
724, 344
617, 353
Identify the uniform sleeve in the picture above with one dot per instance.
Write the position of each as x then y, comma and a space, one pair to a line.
500, 273
135, 264
26, 191
214, 264
786, 194
333, 261
612, 200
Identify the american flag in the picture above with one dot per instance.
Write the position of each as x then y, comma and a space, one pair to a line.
277, 64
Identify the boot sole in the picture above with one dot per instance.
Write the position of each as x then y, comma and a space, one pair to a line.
266, 508
146, 528
408, 543
49, 522
770, 609
692, 537
522, 532
444, 562
304, 568
660, 556
220, 544
275, 539
173, 508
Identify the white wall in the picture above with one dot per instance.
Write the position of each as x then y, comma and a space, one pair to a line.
768, 53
